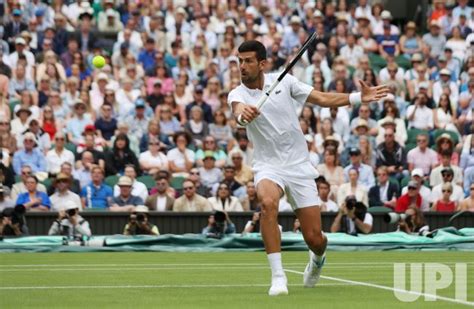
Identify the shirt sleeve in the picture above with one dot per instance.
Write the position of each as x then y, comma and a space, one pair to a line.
298, 90
234, 96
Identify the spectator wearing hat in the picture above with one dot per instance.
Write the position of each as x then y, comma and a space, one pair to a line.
410, 42
457, 193
85, 34
21, 52
445, 204
353, 187
138, 188
364, 114
422, 156
70, 223
125, 201
386, 18
44, 142
109, 19
63, 194
139, 224
96, 194
412, 197
74, 184
424, 191
190, 200
138, 121
361, 130
210, 144
20, 124
14, 26
33, 200
445, 82
445, 145
420, 116
388, 43
365, 172
384, 193
31, 155
209, 174
76, 125
412, 74
199, 101
58, 155
161, 200
435, 39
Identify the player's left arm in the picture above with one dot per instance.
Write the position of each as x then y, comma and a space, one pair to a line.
330, 99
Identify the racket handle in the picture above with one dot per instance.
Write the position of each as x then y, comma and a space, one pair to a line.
262, 100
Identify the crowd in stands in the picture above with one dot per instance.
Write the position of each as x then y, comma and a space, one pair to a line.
153, 126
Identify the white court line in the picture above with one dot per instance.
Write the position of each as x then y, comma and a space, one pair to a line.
388, 288
167, 286
208, 264
191, 267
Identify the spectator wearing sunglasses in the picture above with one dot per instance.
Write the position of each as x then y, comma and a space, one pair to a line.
58, 155
190, 200
445, 204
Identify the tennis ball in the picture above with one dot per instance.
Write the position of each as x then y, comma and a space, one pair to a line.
98, 61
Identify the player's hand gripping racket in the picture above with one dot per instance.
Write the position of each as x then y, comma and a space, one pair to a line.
288, 67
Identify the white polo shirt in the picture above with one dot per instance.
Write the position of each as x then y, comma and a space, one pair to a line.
276, 134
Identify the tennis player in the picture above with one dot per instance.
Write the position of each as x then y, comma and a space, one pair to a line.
281, 159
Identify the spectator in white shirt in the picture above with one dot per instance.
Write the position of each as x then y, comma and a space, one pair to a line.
351, 52
58, 155
138, 189
419, 115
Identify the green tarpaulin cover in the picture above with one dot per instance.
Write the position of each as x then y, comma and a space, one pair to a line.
444, 239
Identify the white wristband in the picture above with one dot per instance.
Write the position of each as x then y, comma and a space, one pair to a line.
355, 98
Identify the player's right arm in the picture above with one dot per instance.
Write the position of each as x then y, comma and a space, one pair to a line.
244, 111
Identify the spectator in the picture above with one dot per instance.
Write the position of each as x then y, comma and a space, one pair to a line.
220, 129
209, 173
169, 125
139, 224
353, 188
447, 175
125, 201
445, 204
365, 172
33, 200
93, 144
119, 156
44, 142
58, 155
445, 144
198, 101
20, 124
419, 115
445, 114
412, 197
236, 188
324, 188
138, 121
468, 203
209, 144
436, 174
201, 189
385, 192
244, 146
435, 39
250, 201
414, 223
70, 223
410, 42
390, 154
154, 131
20, 187
327, 135
62, 183
181, 159
190, 201
74, 184
196, 126
243, 173
218, 227
331, 170
154, 159
138, 189
224, 201
161, 200
105, 123
422, 157
96, 194
352, 218
253, 226
31, 155
445, 82
12, 223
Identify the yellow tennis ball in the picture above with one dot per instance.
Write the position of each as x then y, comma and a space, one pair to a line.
98, 61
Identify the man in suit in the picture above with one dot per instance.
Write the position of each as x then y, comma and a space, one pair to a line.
160, 201
14, 27
384, 193
85, 36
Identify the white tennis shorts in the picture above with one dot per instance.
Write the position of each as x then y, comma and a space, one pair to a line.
298, 182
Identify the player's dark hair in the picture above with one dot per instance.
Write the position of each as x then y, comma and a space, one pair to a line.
254, 46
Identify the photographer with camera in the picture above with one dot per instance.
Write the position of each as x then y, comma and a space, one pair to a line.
12, 221
352, 218
411, 221
218, 225
70, 223
138, 223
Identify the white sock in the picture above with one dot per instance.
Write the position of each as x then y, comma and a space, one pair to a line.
319, 258
275, 264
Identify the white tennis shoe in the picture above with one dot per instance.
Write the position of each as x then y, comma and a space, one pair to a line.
278, 286
313, 270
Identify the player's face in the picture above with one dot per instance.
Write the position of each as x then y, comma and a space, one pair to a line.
250, 67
